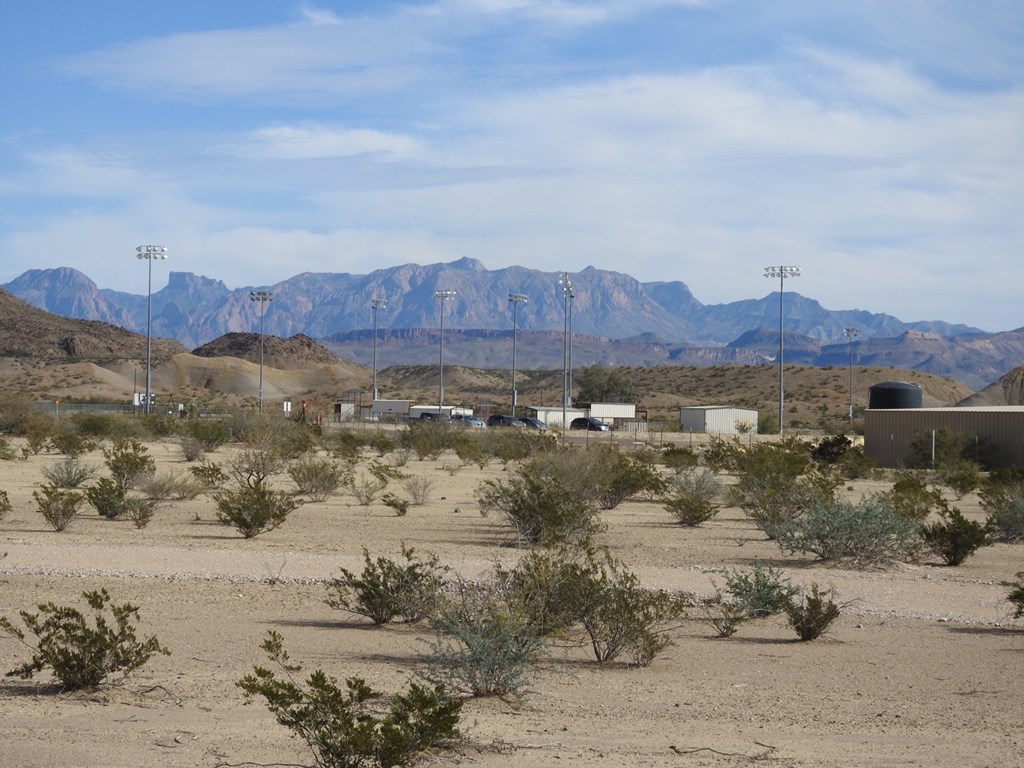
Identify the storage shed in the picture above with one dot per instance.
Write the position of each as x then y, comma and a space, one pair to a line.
718, 420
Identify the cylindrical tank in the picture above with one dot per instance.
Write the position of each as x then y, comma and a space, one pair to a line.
895, 394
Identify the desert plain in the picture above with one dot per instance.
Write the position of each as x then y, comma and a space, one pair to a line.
925, 666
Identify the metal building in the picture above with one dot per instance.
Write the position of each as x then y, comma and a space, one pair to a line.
718, 420
889, 432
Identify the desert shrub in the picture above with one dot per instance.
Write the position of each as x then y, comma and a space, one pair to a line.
397, 503
389, 588
382, 442
139, 511
510, 445
318, 478
950, 448
169, 485
961, 477
693, 496
1016, 594
128, 461
1003, 498
209, 473
20, 417
721, 455
617, 476
191, 449
419, 489
368, 485
813, 614
912, 498
471, 449
81, 655
855, 463
70, 442
724, 616
570, 467
69, 473
678, 459
107, 497
58, 506
428, 439
539, 510
830, 449
5, 504
776, 483
550, 589
159, 425
252, 510
622, 616
760, 591
208, 434
482, 646
100, 425
7, 452
954, 537
343, 727
253, 466
347, 446
868, 533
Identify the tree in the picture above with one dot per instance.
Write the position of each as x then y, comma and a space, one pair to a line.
597, 384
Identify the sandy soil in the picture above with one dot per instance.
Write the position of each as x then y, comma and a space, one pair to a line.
924, 668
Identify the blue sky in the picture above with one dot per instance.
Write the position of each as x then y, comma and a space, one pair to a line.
877, 144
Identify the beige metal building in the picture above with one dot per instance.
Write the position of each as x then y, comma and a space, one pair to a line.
889, 432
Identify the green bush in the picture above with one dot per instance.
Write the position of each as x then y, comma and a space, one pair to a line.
208, 434
869, 533
209, 473
80, 655
68, 473
722, 455
128, 461
387, 589
617, 476
911, 496
961, 477
692, 497
107, 497
812, 615
1003, 499
7, 452
1016, 595
343, 727
831, 449
161, 486
538, 509
678, 459
954, 537
58, 506
549, 589
483, 646
139, 511
252, 510
318, 478
5, 504
71, 442
419, 489
428, 439
761, 591
397, 503
724, 616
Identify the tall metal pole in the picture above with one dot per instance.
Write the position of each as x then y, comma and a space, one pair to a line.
441, 297
150, 252
851, 334
262, 297
782, 273
515, 299
566, 284
375, 305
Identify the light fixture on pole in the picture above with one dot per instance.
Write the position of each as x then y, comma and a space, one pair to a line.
781, 273
262, 297
149, 253
515, 299
851, 334
375, 305
567, 297
441, 297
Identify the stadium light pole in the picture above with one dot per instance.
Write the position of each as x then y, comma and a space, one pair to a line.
149, 253
567, 296
851, 334
262, 297
781, 273
375, 305
515, 299
441, 297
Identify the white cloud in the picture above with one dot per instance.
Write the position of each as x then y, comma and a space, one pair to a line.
312, 142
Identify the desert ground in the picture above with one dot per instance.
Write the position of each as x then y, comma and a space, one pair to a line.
925, 667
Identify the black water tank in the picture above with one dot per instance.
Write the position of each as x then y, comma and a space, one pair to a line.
894, 394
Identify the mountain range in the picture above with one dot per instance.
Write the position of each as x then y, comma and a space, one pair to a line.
615, 319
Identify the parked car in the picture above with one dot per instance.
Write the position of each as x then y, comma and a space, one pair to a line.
533, 421
589, 423
471, 421
501, 420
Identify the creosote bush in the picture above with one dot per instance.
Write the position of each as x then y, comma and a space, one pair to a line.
81, 655
911, 496
343, 726
58, 506
5, 504
813, 614
388, 589
318, 478
252, 510
1003, 499
693, 496
69, 473
128, 461
1016, 594
955, 538
760, 591
107, 497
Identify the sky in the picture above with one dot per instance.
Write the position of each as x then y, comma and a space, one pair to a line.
876, 144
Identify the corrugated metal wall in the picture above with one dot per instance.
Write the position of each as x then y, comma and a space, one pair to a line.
716, 420
888, 433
